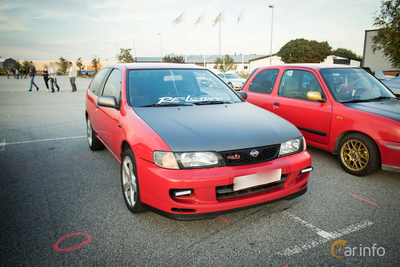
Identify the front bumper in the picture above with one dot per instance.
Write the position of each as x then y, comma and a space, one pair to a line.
155, 185
390, 155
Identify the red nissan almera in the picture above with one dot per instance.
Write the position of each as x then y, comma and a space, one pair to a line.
191, 150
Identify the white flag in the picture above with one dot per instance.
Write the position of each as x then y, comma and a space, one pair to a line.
180, 19
240, 17
201, 19
220, 17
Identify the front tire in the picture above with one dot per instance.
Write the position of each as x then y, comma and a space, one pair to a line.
130, 182
93, 142
230, 84
358, 154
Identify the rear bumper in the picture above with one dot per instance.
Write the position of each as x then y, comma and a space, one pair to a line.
155, 185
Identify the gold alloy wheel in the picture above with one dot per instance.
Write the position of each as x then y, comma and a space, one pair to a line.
355, 155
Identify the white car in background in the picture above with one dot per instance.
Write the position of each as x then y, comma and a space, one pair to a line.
393, 84
233, 80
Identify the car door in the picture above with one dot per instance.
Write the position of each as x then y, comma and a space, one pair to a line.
109, 128
312, 118
94, 90
260, 87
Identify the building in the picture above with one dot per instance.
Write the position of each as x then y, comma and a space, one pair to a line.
276, 60
375, 61
7, 63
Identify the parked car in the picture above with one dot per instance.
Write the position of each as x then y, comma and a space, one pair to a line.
341, 109
191, 152
393, 84
232, 80
87, 73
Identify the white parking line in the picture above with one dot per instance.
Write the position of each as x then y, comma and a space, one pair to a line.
324, 236
4, 143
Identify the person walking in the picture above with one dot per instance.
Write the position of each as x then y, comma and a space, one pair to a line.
8, 74
72, 76
53, 77
21, 72
32, 72
45, 73
13, 70
17, 73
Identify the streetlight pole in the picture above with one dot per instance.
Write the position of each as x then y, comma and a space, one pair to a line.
272, 27
160, 45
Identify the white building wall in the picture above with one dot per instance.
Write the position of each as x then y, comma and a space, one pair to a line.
376, 61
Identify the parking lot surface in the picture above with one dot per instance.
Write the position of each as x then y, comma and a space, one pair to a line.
62, 204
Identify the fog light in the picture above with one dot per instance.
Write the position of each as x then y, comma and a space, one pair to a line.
181, 193
306, 170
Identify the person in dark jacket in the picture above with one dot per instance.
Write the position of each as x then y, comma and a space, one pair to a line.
32, 72
46, 78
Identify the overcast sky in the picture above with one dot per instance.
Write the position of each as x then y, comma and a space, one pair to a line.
47, 30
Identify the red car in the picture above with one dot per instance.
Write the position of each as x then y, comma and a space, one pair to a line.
342, 109
190, 150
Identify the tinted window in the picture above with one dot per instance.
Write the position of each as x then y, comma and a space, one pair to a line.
221, 75
113, 85
97, 81
297, 83
231, 76
177, 87
264, 81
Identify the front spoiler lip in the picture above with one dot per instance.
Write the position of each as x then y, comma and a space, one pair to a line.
212, 215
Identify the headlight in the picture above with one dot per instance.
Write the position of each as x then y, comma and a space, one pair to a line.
187, 160
292, 146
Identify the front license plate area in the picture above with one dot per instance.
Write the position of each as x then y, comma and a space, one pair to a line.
252, 180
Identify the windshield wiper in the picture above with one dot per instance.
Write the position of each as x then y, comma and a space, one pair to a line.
213, 102
356, 101
168, 105
382, 97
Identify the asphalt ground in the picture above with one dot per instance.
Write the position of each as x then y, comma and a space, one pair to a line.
62, 205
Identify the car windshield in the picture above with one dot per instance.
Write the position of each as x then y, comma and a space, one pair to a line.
354, 85
231, 76
175, 87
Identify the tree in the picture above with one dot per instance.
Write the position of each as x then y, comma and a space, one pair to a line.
388, 36
225, 63
346, 53
64, 64
25, 65
304, 51
96, 63
125, 56
79, 64
172, 58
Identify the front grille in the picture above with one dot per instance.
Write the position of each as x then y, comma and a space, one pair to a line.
226, 191
243, 156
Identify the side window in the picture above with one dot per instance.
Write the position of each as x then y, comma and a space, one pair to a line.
297, 83
264, 81
221, 76
113, 85
97, 81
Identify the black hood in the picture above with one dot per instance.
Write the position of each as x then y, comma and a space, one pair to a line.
388, 108
217, 127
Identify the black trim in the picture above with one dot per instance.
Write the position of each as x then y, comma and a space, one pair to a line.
312, 131
212, 215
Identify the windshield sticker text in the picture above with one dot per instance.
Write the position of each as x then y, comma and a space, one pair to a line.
187, 99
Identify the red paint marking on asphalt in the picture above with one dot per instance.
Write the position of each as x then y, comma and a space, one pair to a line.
84, 243
87, 155
33, 162
364, 200
222, 218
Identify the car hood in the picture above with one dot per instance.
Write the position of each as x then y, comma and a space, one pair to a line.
217, 127
387, 108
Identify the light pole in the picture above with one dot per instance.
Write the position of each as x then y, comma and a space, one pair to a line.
160, 45
272, 27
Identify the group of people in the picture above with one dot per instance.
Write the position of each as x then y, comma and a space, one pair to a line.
18, 73
51, 74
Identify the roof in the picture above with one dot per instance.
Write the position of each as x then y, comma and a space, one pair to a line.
200, 58
156, 66
314, 66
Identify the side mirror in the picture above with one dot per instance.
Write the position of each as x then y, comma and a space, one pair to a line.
107, 101
314, 96
242, 94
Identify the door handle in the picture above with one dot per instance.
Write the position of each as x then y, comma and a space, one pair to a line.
276, 104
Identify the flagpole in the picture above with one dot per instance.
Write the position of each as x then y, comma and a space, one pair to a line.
243, 44
185, 38
204, 38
